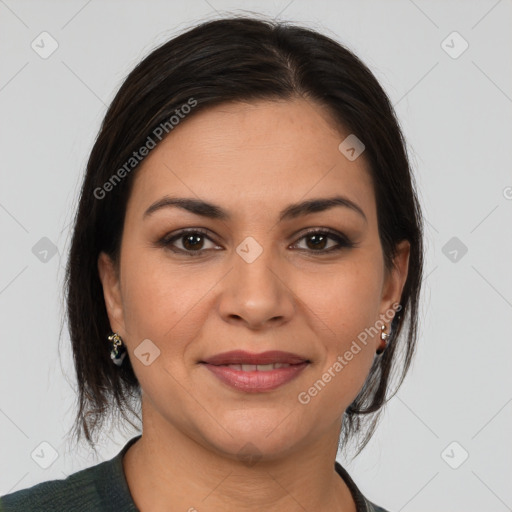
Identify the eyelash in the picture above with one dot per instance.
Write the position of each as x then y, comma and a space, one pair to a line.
342, 241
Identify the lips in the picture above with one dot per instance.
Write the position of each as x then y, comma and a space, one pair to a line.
240, 357
255, 373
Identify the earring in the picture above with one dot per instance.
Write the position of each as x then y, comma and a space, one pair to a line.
118, 349
383, 336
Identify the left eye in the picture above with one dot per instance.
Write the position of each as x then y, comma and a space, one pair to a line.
319, 240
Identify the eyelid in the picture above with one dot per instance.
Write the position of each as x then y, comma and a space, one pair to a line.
327, 231
342, 241
176, 235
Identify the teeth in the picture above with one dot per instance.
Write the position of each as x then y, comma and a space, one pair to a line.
257, 367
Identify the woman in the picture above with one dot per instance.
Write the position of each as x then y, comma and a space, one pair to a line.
245, 267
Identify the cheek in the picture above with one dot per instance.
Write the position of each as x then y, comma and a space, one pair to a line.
156, 297
347, 305
161, 304
347, 299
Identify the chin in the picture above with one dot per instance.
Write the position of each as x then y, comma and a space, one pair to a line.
258, 435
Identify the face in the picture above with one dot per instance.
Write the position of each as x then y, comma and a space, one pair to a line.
255, 279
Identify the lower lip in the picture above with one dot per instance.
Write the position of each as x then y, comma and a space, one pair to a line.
255, 381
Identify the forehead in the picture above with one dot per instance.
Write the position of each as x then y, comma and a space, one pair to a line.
248, 156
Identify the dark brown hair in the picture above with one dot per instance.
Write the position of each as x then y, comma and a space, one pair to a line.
235, 59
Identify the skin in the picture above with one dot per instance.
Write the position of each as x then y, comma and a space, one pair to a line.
253, 160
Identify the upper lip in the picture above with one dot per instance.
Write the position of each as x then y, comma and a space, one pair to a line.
242, 357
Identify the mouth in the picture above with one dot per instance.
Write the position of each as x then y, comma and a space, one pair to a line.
255, 367
242, 358
245, 371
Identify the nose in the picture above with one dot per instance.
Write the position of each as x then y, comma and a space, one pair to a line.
257, 292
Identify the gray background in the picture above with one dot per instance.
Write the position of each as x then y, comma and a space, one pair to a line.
456, 115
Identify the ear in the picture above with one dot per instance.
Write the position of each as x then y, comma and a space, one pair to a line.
109, 278
395, 279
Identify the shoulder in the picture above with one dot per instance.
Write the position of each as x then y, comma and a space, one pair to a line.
371, 507
362, 503
99, 488
76, 492
375, 508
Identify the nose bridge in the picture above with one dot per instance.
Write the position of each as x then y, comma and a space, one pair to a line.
255, 290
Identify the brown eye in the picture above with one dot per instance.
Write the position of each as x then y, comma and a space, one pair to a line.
317, 241
190, 242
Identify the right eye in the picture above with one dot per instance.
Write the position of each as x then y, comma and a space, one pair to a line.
191, 241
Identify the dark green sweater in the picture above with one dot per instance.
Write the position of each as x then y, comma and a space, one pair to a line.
103, 488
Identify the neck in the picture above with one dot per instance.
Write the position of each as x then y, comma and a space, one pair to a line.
167, 468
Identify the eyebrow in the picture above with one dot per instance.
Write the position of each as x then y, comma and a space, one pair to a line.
212, 211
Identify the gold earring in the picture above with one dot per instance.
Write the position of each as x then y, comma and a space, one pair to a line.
383, 336
118, 349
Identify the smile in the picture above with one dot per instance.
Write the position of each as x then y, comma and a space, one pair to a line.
256, 381
256, 367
